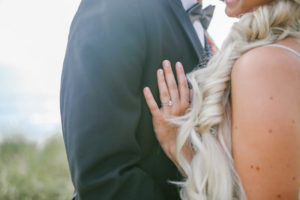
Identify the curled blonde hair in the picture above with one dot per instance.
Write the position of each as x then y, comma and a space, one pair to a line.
207, 124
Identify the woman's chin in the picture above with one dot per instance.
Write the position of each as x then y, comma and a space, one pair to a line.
230, 13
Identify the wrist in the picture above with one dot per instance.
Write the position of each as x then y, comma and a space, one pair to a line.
170, 150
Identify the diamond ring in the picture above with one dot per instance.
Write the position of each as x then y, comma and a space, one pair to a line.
169, 103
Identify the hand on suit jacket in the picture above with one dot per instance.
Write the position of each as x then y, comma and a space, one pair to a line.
175, 98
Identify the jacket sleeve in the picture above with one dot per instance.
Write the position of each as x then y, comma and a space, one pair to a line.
101, 97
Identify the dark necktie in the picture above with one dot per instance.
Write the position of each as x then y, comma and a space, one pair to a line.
204, 15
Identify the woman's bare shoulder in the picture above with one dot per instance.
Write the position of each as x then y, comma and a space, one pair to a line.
266, 59
265, 74
268, 67
265, 119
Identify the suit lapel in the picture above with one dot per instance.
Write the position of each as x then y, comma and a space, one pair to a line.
187, 25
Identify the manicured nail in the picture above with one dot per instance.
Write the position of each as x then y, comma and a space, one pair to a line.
146, 89
178, 65
160, 71
166, 63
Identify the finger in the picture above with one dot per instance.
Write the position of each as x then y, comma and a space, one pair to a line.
154, 109
171, 82
162, 87
212, 44
184, 92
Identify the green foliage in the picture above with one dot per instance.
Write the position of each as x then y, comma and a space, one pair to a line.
32, 172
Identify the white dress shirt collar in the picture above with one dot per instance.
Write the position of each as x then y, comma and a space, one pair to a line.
188, 3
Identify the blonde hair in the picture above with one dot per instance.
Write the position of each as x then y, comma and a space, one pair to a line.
207, 124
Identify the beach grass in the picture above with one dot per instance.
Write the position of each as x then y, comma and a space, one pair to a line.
31, 171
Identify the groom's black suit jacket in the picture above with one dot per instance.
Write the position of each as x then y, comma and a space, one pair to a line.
114, 50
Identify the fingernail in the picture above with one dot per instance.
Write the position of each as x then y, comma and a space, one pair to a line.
160, 71
166, 63
146, 89
178, 65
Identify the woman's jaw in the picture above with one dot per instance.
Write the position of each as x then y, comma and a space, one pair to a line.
236, 8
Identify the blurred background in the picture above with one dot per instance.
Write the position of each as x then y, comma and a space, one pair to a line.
33, 39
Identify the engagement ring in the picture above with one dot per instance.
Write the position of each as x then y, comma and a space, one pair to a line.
169, 103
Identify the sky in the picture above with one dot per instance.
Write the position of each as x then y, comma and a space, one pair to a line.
33, 39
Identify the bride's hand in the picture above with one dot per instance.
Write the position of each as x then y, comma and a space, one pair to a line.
175, 101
